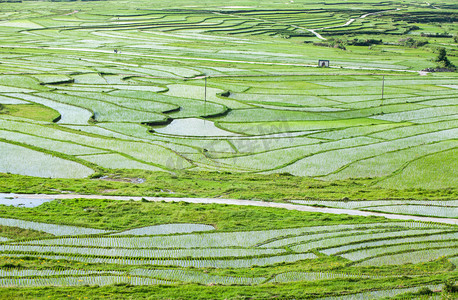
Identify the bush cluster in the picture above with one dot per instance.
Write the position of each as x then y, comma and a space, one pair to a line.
412, 43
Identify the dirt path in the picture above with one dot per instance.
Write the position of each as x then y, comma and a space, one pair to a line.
246, 203
349, 22
72, 13
435, 7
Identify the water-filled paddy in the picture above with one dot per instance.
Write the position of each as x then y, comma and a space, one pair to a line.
193, 127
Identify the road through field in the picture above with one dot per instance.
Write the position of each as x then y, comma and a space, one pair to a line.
288, 206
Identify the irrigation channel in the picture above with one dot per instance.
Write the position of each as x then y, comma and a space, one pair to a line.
28, 197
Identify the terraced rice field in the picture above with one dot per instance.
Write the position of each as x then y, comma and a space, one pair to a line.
90, 89
170, 253
116, 78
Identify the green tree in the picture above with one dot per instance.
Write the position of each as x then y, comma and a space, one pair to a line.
443, 61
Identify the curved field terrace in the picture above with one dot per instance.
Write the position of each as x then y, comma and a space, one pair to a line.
228, 150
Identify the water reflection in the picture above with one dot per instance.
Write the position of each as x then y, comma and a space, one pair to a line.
193, 127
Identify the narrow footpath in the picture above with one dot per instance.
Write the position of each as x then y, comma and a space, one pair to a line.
288, 206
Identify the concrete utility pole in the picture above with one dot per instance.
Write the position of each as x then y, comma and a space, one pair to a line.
205, 97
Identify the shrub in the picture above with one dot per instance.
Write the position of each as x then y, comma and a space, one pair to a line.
424, 291
450, 287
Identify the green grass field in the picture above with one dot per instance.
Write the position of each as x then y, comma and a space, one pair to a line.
226, 100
